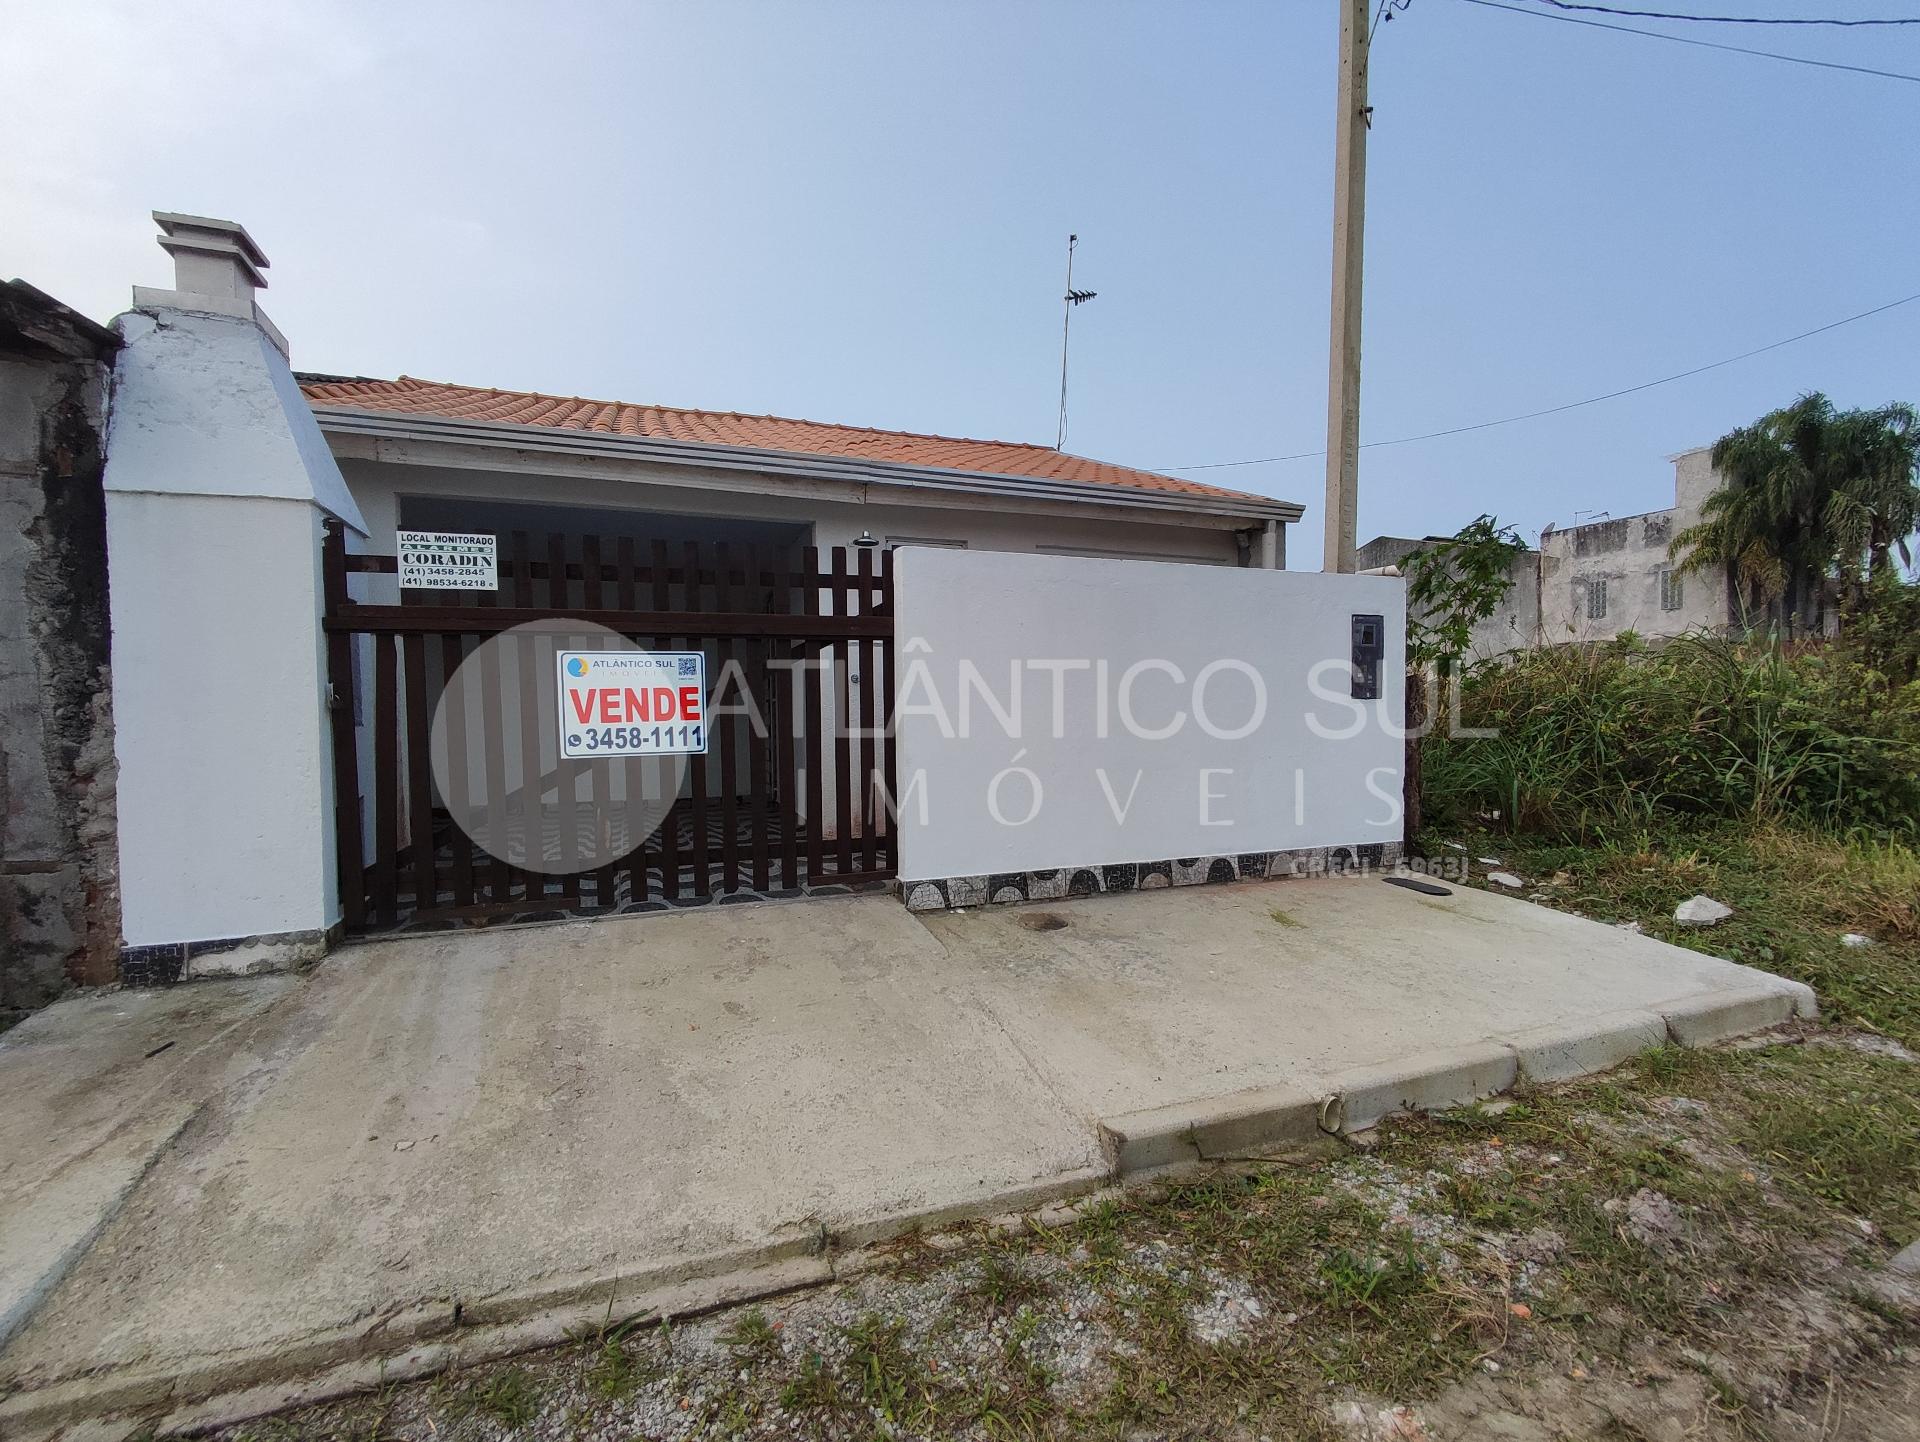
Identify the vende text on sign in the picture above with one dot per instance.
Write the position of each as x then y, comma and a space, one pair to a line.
447, 561
632, 703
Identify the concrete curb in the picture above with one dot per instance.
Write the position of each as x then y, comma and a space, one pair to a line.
486, 1343
429, 1337
861, 1232
1906, 1262
1269, 1119
421, 1338
1711, 1016
175, 1101
1265, 1118
1431, 1081
16, 1312
1575, 1049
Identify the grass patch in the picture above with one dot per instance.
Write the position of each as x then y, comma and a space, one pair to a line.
1399, 1322
885, 1374
614, 1371
1003, 1411
752, 1335
1479, 1202
814, 1386
510, 1397
1355, 1283
1838, 1126
1004, 1282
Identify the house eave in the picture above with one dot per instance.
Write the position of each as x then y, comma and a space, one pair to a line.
503, 435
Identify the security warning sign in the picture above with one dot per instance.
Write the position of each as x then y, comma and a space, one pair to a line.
448, 561
632, 703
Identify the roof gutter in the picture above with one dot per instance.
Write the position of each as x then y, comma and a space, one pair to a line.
504, 435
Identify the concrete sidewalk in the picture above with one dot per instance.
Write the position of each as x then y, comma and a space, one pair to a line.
1225, 1021
477, 1139
94, 1090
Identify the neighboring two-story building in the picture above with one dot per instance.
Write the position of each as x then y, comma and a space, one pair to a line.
1615, 575
1600, 580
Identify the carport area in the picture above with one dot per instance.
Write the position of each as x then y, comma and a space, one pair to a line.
448, 1144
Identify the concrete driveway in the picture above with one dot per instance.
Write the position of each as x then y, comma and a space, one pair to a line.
475, 1140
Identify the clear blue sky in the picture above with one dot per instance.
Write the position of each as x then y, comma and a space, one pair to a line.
857, 212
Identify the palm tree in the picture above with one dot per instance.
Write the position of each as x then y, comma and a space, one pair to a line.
1875, 505
1809, 493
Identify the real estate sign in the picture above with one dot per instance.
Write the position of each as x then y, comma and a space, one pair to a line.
632, 703
447, 561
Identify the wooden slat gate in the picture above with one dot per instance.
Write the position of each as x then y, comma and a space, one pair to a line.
798, 802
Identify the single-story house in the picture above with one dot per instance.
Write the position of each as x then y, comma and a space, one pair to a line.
423, 455
286, 765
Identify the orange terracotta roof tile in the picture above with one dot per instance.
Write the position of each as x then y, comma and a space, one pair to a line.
727, 428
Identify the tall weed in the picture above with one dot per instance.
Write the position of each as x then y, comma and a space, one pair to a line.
1596, 741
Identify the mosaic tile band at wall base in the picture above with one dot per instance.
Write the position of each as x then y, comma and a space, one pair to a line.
177, 961
1067, 881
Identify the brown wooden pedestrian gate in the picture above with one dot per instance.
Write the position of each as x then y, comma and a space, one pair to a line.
801, 801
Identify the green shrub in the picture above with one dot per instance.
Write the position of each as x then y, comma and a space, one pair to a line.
1880, 634
1596, 740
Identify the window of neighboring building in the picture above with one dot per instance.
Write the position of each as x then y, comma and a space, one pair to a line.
1672, 590
926, 541
1596, 600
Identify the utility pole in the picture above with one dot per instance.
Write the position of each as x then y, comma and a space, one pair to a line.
1073, 298
1349, 225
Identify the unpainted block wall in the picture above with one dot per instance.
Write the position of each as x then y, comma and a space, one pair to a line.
59, 908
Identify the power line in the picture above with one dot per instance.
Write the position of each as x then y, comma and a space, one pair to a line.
1570, 405
1728, 19
1386, 10
1693, 40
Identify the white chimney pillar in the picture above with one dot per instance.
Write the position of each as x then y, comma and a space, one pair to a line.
218, 485
216, 270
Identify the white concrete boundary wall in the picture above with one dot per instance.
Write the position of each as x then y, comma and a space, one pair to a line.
1069, 712
226, 775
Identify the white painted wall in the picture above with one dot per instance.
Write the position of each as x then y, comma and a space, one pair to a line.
837, 511
1280, 787
225, 795
217, 484
206, 405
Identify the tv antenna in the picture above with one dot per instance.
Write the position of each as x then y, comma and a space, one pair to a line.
1073, 298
